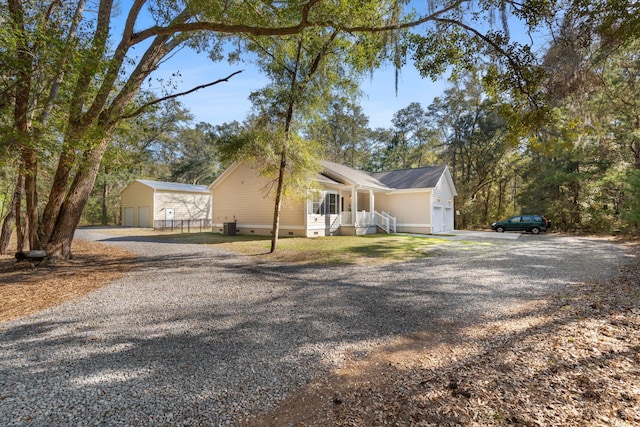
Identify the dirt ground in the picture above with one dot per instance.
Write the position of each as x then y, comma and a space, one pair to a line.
573, 360
26, 288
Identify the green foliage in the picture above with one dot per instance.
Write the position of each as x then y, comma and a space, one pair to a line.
586, 150
149, 146
7, 184
631, 201
466, 39
260, 145
477, 146
557, 135
342, 131
197, 161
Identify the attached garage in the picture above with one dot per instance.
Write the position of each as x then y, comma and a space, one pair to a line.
155, 204
422, 200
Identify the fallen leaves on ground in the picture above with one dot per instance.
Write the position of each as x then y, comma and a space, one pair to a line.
571, 360
26, 288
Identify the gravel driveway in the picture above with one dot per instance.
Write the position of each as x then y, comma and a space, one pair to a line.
198, 336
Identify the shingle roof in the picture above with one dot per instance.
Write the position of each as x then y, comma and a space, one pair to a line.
426, 177
344, 173
174, 186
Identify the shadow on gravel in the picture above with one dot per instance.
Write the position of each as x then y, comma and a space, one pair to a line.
207, 337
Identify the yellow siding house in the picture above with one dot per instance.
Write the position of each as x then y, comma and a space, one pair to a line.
352, 202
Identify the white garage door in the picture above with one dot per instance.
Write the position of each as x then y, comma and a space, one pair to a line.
128, 217
448, 219
143, 216
437, 220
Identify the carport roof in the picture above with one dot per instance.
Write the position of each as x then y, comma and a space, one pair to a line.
174, 186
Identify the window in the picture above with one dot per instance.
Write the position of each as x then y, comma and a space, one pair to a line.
315, 206
325, 205
332, 202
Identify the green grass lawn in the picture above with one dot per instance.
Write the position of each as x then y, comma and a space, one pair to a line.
335, 250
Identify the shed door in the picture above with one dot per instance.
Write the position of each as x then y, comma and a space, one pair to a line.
143, 216
169, 214
128, 217
437, 220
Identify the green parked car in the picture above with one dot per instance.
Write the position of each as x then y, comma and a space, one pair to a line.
529, 223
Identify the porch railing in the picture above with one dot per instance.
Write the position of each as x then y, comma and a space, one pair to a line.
385, 221
362, 218
370, 219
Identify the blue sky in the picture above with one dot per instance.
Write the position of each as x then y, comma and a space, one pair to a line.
228, 101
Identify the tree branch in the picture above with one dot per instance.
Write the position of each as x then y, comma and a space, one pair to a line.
143, 108
513, 64
190, 27
399, 26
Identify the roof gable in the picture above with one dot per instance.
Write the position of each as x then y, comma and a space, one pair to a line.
405, 179
173, 186
348, 175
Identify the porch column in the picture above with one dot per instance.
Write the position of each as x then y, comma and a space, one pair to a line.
354, 205
372, 206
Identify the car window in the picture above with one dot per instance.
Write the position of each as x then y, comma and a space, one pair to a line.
514, 219
526, 219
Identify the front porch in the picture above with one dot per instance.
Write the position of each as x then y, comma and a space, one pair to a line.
364, 222
338, 211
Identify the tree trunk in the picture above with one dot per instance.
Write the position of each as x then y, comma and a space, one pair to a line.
56, 194
10, 218
31, 196
105, 211
279, 193
59, 244
22, 123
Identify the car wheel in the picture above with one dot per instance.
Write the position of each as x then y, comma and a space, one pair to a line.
500, 229
535, 230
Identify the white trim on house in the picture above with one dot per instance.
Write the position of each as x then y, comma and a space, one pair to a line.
358, 195
410, 190
263, 226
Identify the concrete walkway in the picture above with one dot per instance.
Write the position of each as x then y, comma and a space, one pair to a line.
472, 235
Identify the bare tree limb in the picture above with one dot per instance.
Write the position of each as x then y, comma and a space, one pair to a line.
143, 108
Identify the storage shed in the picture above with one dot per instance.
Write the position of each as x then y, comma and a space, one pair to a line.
163, 204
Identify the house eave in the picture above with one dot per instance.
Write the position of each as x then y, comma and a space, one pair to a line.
410, 190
